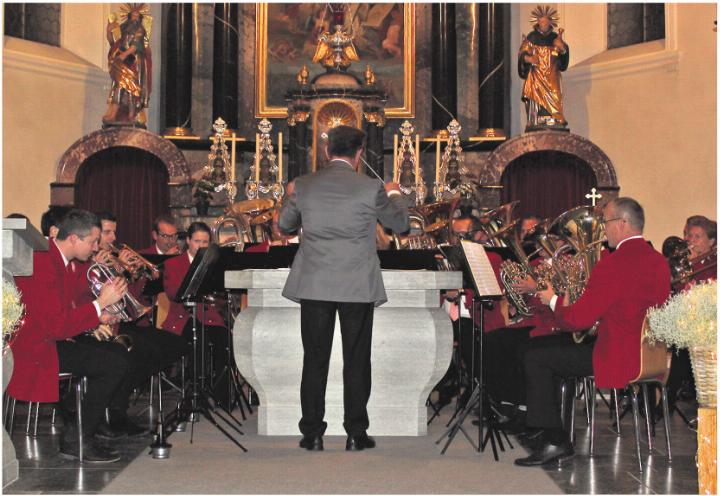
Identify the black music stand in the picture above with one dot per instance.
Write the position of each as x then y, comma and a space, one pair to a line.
477, 274
194, 288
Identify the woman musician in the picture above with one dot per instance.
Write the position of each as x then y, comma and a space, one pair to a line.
179, 320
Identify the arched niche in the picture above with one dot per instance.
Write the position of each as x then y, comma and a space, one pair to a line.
490, 176
63, 189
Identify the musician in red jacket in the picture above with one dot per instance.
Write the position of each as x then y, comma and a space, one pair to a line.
621, 288
41, 348
179, 319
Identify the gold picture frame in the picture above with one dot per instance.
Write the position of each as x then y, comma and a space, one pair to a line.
289, 54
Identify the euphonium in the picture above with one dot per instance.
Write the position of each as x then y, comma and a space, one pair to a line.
128, 308
497, 218
513, 272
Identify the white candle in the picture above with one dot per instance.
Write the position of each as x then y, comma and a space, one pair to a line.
280, 152
257, 158
395, 160
437, 162
232, 160
417, 159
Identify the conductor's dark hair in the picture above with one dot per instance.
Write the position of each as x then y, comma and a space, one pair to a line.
198, 226
345, 141
78, 222
52, 217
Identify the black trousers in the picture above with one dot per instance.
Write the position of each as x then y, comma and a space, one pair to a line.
152, 351
544, 367
317, 323
504, 358
104, 369
222, 357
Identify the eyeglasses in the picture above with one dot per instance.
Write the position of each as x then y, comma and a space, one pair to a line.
614, 218
168, 236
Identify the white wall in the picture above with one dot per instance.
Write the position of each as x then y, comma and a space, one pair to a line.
651, 108
54, 96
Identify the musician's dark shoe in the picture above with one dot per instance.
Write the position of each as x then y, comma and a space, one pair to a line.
92, 452
122, 423
109, 433
548, 453
358, 443
312, 443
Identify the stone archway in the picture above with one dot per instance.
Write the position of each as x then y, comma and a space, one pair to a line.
490, 176
62, 191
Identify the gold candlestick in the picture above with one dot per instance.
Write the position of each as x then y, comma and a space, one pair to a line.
437, 162
417, 159
232, 159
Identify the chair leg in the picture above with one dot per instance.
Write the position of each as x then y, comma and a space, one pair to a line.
666, 421
12, 415
29, 418
591, 393
152, 389
37, 416
648, 412
636, 426
6, 410
79, 389
573, 400
563, 393
586, 385
616, 399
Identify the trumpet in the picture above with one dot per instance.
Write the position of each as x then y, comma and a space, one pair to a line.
138, 266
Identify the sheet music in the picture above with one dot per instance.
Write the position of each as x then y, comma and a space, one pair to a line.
481, 269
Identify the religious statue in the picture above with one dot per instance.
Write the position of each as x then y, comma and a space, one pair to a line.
335, 51
130, 63
543, 55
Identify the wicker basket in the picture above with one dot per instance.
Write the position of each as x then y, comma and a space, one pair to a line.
704, 364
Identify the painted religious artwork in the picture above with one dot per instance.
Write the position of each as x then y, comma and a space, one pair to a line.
287, 39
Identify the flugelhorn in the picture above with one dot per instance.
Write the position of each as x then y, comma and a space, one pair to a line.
128, 308
138, 265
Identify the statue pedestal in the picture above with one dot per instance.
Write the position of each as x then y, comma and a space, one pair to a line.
411, 351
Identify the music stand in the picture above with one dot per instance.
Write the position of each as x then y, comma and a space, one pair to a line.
193, 288
478, 274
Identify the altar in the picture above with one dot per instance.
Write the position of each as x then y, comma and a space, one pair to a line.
411, 351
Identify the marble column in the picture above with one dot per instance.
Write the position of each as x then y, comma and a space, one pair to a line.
466, 23
298, 146
225, 64
177, 44
493, 68
444, 65
374, 123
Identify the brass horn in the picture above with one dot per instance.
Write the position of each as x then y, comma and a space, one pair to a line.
492, 221
128, 308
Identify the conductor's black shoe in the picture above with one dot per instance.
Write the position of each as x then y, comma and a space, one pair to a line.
108, 433
92, 453
312, 443
548, 453
358, 443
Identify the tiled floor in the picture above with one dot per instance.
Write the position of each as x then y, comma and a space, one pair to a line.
613, 469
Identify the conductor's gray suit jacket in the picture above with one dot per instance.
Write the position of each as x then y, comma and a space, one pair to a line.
337, 259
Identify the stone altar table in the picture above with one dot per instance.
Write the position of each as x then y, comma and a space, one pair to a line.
411, 351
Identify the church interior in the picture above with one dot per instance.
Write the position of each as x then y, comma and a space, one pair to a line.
207, 112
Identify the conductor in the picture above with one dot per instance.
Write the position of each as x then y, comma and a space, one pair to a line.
336, 270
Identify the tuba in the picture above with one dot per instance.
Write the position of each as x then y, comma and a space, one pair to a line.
583, 231
250, 219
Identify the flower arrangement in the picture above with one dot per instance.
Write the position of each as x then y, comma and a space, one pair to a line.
688, 319
12, 310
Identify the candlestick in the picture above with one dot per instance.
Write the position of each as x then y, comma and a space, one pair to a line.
257, 158
395, 160
280, 153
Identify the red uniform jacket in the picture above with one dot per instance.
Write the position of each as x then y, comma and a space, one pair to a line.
622, 286
178, 315
49, 317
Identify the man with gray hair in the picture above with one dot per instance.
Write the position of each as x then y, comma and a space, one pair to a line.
621, 288
337, 271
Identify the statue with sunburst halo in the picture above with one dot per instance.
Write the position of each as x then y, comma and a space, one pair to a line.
543, 55
130, 65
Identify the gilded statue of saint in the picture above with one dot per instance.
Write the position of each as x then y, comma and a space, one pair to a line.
543, 55
130, 62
